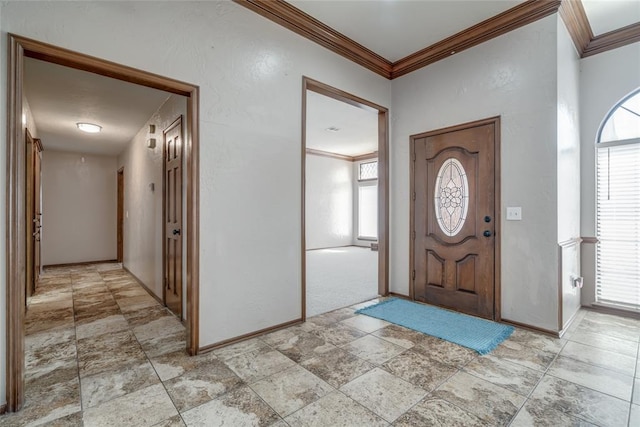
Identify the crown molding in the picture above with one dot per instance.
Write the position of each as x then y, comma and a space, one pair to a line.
332, 155
612, 40
512, 19
571, 11
305, 25
575, 19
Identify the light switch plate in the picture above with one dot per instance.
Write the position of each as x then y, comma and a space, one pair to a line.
514, 214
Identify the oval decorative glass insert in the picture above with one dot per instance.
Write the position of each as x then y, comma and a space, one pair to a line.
451, 196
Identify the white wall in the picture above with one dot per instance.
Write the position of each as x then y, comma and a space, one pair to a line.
513, 76
605, 79
79, 207
329, 202
143, 207
249, 71
568, 168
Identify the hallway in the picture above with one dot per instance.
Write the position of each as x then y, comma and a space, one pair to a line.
101, 352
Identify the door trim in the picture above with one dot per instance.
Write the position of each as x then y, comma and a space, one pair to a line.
19, 48
497, 207
383, 179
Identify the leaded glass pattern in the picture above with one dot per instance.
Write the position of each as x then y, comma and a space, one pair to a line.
368, 170
451, 196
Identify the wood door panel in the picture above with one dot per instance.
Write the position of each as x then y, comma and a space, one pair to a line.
466, 274
120, 216
453, 207
173, 146
37, 211
460, 301
435, 269
30, 229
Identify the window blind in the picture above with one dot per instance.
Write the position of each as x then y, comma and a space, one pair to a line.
618, 225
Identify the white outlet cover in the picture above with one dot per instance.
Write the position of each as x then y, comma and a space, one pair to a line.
514, 214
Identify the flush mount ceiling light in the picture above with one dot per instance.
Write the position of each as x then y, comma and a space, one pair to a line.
332, 129
89, 127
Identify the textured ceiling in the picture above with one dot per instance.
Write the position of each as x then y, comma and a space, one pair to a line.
358, 128
609, 15
397, 28
59, 97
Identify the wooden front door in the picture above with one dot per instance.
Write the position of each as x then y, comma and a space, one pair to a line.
454, 217
172, 290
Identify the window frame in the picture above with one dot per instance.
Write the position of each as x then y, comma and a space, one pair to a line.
599, 216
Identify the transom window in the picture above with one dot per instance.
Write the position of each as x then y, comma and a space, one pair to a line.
368, 170
618, 206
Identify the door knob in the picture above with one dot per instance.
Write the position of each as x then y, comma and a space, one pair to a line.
487, 218
176, 232
486, 233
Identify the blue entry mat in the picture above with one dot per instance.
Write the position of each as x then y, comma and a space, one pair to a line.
477, 334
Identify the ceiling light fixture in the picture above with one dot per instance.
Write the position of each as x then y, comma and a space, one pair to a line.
332, 129
89, 127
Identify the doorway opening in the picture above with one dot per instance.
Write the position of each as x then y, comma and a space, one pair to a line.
344, 199
21, 50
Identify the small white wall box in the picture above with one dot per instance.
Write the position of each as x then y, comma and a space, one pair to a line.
514, 214
151, 143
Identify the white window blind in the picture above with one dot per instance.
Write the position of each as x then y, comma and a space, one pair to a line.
618, 224
368, 212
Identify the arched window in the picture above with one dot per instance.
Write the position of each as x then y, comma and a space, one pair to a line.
618, 206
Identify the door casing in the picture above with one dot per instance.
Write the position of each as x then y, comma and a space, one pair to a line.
497, 204
19, 48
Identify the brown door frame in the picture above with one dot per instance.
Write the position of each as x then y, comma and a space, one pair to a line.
497, 212
383, 179
120, 216
177, 122
19, 48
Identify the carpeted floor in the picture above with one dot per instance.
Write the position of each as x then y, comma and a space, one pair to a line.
339, 277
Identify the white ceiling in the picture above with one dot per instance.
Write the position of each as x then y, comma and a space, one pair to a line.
59, 97
397, 28
609, 15
358, 128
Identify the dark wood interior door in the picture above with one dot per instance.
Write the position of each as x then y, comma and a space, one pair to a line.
120, 217
30, 216
173, 144
37, 219
454, 219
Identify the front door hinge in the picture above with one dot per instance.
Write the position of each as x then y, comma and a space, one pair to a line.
414, 157
413, 196
413, 275
413, 235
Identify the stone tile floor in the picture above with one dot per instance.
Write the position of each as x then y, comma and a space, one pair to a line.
101, 352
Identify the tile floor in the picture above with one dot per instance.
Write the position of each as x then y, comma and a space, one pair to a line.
101, 352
